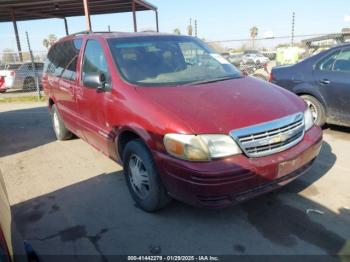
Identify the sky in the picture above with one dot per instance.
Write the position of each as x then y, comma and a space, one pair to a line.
217, 20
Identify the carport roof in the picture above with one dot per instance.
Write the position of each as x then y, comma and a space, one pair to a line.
39, 9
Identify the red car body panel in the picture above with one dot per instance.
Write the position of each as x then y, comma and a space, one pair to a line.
215, 108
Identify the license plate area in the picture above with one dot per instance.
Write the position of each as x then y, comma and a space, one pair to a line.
287, 167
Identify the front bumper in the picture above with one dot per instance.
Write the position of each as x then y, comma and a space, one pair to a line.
232, 180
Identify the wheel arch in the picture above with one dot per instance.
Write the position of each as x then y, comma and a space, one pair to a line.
126, 135
301, 90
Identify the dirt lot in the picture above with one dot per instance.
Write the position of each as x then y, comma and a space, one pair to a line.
68, 198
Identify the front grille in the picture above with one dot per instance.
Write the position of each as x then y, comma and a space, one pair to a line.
271, 137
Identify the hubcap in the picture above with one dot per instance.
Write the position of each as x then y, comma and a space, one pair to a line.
56, 123
139, 177
313, 109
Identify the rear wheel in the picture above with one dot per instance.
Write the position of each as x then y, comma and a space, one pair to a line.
62, 133
142, 177
29, 83
316, 108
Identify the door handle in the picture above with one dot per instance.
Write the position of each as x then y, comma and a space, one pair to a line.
325, 82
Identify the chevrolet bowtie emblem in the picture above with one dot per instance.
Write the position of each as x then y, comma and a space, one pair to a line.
278, 139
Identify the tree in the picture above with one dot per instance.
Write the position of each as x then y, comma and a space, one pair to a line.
254, 31
177, 31
49, 41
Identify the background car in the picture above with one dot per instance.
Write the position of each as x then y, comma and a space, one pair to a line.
255, 59
21, 76
323, 81
235, 59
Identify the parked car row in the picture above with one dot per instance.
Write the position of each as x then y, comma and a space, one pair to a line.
20, 76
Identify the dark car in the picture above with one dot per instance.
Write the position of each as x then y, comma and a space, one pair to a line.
12, 246
181, 119
323, 81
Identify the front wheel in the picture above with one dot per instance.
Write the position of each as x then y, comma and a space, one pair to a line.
316, 108
142, 177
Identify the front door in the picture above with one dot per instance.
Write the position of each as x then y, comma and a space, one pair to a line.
92, 103
332, 76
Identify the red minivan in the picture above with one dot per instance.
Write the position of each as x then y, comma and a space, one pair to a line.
183, 121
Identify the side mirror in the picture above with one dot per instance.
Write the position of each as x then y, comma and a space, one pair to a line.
96, 80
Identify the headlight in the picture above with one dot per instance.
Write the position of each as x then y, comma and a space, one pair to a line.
308, 119
201, 147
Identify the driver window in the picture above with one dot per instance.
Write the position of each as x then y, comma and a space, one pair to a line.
94, 60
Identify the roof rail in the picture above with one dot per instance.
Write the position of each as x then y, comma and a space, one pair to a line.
81, 33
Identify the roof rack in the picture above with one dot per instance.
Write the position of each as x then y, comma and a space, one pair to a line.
81, 33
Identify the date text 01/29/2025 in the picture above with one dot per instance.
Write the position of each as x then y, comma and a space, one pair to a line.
173, 258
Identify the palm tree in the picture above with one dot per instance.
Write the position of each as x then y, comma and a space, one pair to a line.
253, 34
177, 31
49, 41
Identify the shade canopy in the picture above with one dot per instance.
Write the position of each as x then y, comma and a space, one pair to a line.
39, 9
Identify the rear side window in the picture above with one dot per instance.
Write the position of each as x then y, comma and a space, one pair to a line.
61, 55
327, 63
13, 66
70, 72
342, 63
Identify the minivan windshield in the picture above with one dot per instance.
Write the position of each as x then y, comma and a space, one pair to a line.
169, 60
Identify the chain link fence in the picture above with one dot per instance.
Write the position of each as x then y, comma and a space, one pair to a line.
20, 73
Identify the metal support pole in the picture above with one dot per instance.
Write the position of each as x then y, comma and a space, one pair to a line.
19, 48
195, 28
66, 25
33, 67
293, 28
157, 21
87, 15
134, 15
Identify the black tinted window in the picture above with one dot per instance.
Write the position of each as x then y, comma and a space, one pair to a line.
13, 66
61, 55
38, 66
70, 72
94, 60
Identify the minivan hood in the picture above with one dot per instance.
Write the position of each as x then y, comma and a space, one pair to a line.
218, 108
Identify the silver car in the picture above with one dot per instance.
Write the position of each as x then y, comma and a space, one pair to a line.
21, 76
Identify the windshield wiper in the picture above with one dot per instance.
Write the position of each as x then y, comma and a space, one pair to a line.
212, 80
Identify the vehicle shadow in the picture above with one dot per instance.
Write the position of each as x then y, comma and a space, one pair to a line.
24, 129
97, 217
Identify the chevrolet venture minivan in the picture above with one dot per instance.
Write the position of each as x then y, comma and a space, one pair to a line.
181, 119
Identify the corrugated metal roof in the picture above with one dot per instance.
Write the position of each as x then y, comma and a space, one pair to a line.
39, 9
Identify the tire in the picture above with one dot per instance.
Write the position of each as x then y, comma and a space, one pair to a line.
29, 83
142, 178
316, 108
61, 132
